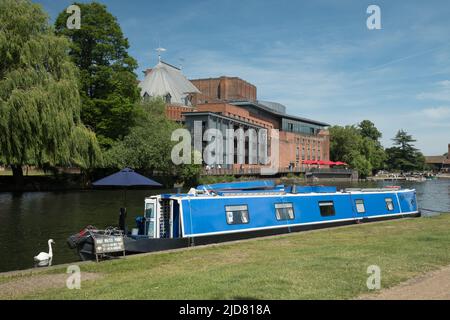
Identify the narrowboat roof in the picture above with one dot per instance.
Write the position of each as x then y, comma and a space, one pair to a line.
265, 187
240, 185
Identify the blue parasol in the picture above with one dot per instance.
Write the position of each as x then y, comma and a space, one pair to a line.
125, 178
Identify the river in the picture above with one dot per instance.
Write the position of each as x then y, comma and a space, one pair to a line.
29, 219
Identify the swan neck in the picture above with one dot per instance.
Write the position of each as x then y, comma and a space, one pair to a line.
50, 251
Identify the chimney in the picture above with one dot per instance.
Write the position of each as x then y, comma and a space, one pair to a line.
147, 71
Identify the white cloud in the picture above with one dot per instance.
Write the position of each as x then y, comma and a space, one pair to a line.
437, 113
444, 83
441, 92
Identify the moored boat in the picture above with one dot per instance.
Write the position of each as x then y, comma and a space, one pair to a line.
230, 211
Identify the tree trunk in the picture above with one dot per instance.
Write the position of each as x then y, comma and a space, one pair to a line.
17, 175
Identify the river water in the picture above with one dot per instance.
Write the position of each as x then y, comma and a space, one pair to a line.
28, 220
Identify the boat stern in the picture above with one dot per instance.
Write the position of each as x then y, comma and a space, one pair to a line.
408, 202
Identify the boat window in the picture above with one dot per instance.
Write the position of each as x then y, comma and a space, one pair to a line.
237, 214
284, 211
326, 208
360, 206
389, 204
150, 219
149, 210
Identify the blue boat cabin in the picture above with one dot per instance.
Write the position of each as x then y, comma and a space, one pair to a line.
226, 208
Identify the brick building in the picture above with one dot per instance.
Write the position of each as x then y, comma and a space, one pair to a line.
223, 89
300, 139
439, 163
232, 103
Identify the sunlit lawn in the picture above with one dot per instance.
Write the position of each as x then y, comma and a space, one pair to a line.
31, 172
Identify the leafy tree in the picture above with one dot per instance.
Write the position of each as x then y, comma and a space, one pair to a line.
108, 85
148, 146
189, 173
344, 142
361, 152
368, 130
39, 100
403, 155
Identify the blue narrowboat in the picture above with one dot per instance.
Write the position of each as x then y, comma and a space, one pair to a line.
231, 211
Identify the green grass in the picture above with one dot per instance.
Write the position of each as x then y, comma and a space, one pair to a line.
324, 264
31, 172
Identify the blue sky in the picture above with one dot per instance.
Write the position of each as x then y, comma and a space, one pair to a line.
316, 57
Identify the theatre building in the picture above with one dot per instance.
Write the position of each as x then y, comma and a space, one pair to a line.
232, 103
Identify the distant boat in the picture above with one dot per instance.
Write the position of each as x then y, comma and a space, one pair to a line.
416, 179
230, 211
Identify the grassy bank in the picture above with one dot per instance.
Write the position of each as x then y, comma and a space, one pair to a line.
328, 263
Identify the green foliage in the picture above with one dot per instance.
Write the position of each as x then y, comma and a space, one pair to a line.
148, 146
108, 85
368, 130
39, 100
217, 179
358, 146
403, 155
189, 174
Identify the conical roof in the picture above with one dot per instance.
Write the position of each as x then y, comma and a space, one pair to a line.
165, 78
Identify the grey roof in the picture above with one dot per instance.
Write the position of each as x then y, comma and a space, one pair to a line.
278, 107
437, 159
165, 78
263, 106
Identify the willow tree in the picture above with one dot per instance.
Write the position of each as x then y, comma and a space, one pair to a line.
39, 100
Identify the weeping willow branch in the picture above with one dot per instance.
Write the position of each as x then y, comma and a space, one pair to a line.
39, 97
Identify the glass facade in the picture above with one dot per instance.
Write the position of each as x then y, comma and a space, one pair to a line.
299, 127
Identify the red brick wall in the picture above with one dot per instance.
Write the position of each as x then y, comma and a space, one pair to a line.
223, 89
174, 112
316, 148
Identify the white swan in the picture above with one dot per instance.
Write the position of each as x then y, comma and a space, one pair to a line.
43, 256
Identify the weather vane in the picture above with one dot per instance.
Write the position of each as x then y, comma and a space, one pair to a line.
159, 49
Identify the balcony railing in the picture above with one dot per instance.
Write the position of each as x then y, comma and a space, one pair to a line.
257, 171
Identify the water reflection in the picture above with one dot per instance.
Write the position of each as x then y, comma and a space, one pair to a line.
43, 263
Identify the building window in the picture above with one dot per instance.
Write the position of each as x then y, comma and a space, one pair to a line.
326, 208
389, 204
168, 98
237, 214
146, 97
284, 211
360, 206
290, 126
